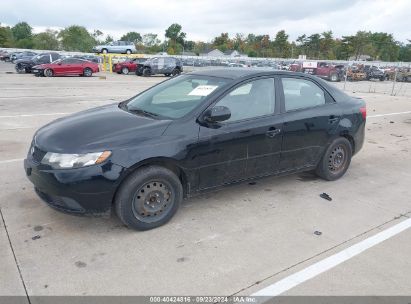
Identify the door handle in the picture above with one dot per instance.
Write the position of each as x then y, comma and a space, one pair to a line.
273, 132
333, 118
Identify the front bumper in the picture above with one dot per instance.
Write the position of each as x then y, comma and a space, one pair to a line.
88, 190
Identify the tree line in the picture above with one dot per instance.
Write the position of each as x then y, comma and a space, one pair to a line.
372, 45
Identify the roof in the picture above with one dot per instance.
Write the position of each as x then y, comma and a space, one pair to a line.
237, 73
234, 73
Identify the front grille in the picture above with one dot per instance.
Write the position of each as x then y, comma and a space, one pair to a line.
37, 153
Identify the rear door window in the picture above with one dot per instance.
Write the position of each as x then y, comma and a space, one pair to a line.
301, 93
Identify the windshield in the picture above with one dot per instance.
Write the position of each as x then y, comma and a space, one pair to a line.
176, 97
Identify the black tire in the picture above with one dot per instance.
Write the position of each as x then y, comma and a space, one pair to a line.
134, 203
125, 70
20, 69
167, 74
128, 52
104, 51
146, 72
334, 77
382, 78
87, 72
48, 73
175, 72
336, 160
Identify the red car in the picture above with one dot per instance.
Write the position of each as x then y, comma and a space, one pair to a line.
128, 66
65, 67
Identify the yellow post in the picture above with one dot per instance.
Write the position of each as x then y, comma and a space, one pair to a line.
110, 63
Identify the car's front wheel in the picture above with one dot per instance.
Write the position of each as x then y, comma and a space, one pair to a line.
146, 72
125, 70
336, 160
148, 198
128, 52
334, 77
175, 72
20, 68
48, 73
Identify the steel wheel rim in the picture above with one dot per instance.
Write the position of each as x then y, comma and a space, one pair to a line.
152, 201
49, 73
87, 72
337, 160
125, 70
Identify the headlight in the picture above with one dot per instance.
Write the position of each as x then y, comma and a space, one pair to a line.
64, 161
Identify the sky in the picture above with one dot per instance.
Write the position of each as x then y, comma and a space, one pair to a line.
205, 19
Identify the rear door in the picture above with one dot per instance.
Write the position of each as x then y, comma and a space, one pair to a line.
311, 117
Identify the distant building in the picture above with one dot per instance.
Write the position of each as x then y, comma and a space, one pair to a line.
213, 53
188, 54
234, 53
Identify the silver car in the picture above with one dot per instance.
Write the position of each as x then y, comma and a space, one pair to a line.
126, 47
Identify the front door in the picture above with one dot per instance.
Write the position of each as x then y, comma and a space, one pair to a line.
246, 145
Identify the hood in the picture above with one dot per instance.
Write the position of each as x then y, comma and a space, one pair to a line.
103, 128
25, 61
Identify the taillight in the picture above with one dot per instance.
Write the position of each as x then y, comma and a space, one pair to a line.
363, 111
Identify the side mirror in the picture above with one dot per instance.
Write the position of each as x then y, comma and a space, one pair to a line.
217, 114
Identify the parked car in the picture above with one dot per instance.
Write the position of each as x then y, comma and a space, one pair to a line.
25, 65
404, 75
193, 133
66, 67
22, 55
373, 72
5, 56
160, 65
127, 66
326, 71
119, 47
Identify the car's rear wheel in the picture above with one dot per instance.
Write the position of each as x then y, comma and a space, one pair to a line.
175, 72
128, 52
125, 70
167, 74
146, 72
336, 160
48, 72
148, 198
87, 72
104, 51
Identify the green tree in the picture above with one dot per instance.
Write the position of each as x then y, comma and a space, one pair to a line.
6, 36
22, 30
327, 45
405, 52
176, 36
76, 38
281, 45
46, 40
132, 36
222, 42
384, 46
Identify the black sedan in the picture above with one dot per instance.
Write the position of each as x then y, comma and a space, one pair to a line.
193, 133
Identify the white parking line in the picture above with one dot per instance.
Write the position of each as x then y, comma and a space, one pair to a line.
330, 262
11, 160
389, 114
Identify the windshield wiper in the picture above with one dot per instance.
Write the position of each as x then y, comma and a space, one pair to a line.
143, 112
